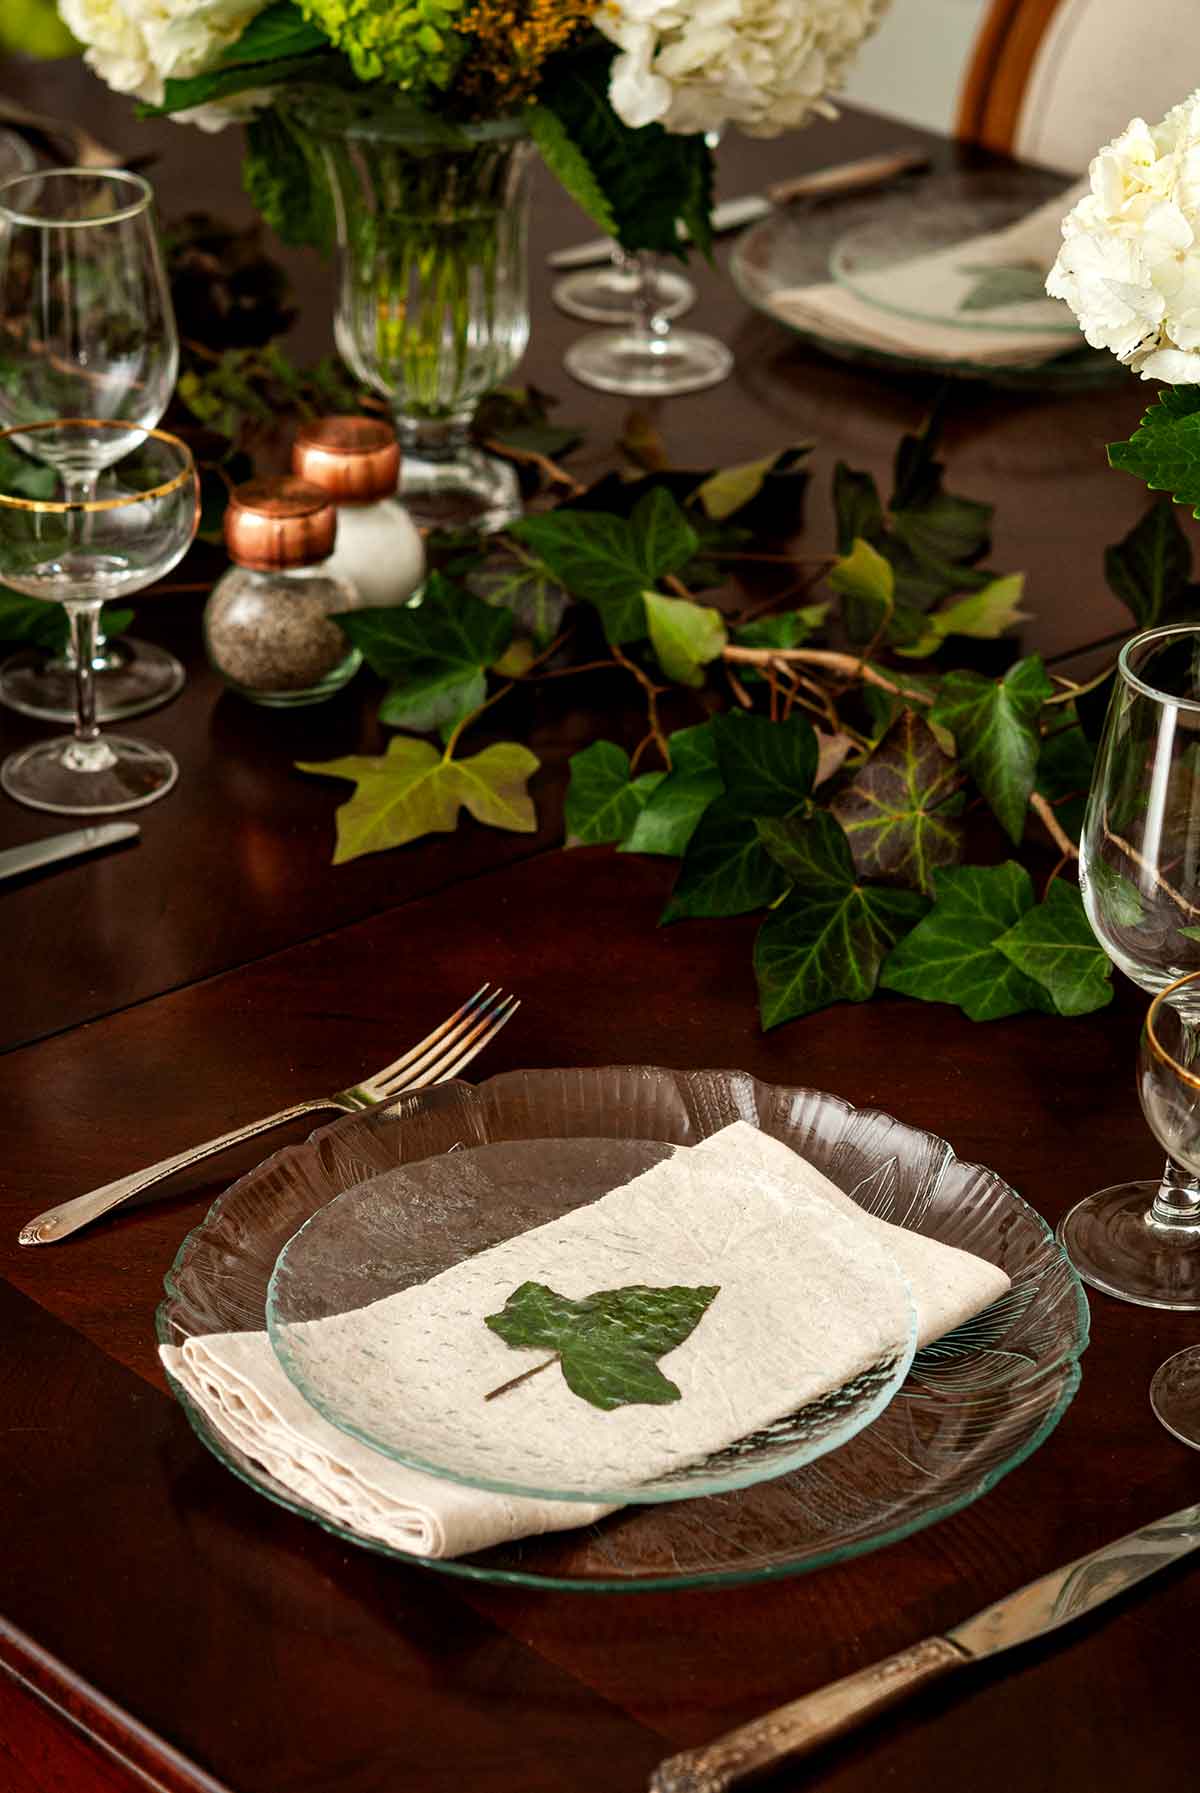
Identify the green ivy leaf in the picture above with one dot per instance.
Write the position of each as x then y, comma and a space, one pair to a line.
1064, 768
608, 1343
412, 790
1164, 450
897, 814
984, 615
952, 955
765, 495
1054, 944
994, 722
826, 941
684, 636
537, 601
866, 583
672, 814
610, 561
567, 162
856, 506
602, 802
282, 174
1149, 569
726, 870
693, 749
767, 767
35, 623
436, 655
786, 630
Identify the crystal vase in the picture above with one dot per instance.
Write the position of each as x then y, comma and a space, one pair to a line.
433, 302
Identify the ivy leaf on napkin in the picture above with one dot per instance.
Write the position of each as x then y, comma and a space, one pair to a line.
603, 802
952, 955
607, 1343
898, 814
994, 722
413, 790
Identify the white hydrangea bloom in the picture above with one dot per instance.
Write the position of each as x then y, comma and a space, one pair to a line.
138, 45
764, 65
1129, 266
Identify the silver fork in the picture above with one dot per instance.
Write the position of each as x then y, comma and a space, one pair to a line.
440, 1055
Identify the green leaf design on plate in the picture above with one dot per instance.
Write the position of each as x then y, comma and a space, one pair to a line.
897, 814
684, 636
1055, 945
1150, 568
608, 1343
726, 869
610, 561
603, 803
411, 790
952, 956
826, 941
995, 725
1164, 450
768, 767
1003, 283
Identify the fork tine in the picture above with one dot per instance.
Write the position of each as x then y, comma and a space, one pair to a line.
445, 1046
460, 1017
451, 1058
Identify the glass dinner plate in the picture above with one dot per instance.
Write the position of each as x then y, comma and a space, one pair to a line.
849, 239
973, 1407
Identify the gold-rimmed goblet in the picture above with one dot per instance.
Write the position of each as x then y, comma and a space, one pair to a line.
1169, 1087
135, 526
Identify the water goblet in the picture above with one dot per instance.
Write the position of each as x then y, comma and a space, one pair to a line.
1139, 870
86, 330
648, 358
606, 295
1169, 1087
135, 525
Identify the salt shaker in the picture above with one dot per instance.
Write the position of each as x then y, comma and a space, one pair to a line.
268, 623
356, 462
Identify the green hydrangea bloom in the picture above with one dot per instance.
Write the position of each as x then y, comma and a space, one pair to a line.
411, 43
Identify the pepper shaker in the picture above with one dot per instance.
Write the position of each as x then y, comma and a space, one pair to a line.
356, 462
268, 625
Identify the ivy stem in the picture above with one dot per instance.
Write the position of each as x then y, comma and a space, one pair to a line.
516, 1381
464, 722
849, 664
557, 476
1053, 826
1143, 864
653, 693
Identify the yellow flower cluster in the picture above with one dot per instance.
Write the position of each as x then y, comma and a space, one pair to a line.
510, 42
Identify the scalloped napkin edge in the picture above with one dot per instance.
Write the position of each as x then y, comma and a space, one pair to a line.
237, 1383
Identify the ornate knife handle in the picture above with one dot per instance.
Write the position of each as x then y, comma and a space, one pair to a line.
795, 1729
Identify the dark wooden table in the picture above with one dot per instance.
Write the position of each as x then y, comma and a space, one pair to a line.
163, 1626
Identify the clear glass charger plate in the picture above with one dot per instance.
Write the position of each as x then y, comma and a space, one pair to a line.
844, 239
402, 1378
973, 1406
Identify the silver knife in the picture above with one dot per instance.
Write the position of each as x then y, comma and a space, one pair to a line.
1053, 1600
821, 183
64, 846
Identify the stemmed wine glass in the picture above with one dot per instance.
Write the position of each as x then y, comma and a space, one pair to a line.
606, 295
1139, 870
648, 358
1169, 1086
86, 330
136, 522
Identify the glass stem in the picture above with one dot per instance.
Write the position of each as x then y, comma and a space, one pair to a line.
648, 322
1176, 1205
80, 488
84, 620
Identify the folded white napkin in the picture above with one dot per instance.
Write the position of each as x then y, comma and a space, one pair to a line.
795, 1259
881, 313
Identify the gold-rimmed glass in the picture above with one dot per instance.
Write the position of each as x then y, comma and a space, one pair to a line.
1169, 1087
135, 525
87, 329
1139, 870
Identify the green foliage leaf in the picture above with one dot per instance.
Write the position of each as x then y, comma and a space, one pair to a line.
1149, 569
768, 768
1054, 945
25, 477
282, 175
1164, 450
33, 28
867, 584
898, 813
766, 496
684, 636
1064, 768
567, 162
826, 941
857, 507
983, 616
412, 790
608, 1343
670, 817
726, 870
994, 722
787, 630
952, 955
610, 561
35, 623
602, 803
435, 655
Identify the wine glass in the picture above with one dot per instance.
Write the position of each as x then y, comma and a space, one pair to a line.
86, 330
1139, 870
136, 522
606, 295
1169, 1087
648, 359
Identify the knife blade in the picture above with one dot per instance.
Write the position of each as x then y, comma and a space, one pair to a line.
840, 179
64, 846
1033, 1611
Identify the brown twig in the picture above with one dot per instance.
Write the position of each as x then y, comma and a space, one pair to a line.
850, 664
1152, 871
472, 716
653, 693
739, 690
557, 476
1053, 826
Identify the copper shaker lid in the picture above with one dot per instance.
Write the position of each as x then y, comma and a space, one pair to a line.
355, 459
281, 522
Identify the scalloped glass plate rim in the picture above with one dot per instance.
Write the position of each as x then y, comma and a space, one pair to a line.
842, 1551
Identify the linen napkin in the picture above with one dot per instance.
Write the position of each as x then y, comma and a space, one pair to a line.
881, 312
741, 1210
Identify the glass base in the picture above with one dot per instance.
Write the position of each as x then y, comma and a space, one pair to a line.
466, 490
1115, 1247
1175, 1395
95, 778
131, 677
655, 366
606, 295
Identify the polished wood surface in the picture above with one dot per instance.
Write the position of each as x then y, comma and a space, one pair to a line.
167, 1628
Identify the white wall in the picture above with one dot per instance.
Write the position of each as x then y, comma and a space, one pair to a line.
912, 68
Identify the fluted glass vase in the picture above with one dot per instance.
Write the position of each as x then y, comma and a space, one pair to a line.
433, 300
